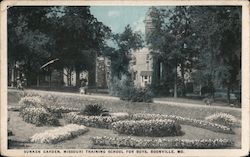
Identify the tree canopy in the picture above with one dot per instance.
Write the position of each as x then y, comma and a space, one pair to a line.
206, 41
38, 34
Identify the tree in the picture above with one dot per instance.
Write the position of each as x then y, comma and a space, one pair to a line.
37, 35
27, 42
79, 38
205, 41
219, 45
171, 40
126, 43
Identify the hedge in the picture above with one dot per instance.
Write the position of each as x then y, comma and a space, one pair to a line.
157, 128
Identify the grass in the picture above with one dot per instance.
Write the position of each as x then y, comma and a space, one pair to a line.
23, 131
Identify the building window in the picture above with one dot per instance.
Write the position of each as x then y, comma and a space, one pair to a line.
145, 77
147, 58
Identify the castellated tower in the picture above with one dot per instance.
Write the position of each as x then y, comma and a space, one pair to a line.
149, 27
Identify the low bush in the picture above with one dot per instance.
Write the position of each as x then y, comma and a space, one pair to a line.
142, 95
125, 89
94, 110
59, 134
223, 119
38, 116
91, 121
160, 143
185, 121
157, 128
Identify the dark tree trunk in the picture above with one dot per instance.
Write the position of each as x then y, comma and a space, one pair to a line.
78, 84
228, 94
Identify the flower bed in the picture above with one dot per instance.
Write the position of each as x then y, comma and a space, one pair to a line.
30, 101
38, 116
223, 119
185, 121
58, 111
162, 143
157, 128
91, 121
120, 115
59, 134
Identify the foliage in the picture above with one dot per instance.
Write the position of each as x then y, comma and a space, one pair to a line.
162, 143
142, 95
204, 42
223, 119
39, 34
120, 57
185, 121
94, 110
124, 88
59, 134
157, 128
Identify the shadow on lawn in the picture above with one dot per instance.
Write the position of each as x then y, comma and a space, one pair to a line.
17, 144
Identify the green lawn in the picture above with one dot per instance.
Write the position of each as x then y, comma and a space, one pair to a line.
22, 130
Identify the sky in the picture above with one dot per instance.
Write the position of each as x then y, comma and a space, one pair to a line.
117, 17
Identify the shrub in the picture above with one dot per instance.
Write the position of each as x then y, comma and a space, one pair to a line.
38, 116
142, 95
91, 121
160, 143
59, 134
223, 119
186, 121
156, 128
121, 87
94, 110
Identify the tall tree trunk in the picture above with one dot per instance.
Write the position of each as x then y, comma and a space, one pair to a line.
228, 94
175, 82
183, 80
38, 80
13, 74
77, 78
50, 79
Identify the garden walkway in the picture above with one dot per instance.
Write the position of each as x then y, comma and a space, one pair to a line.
155, 100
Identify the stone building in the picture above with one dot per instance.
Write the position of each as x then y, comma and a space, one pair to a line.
141, 67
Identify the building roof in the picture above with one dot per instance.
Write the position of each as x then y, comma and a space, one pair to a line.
146, 73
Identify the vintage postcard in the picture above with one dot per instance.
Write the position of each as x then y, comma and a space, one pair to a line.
124, 78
